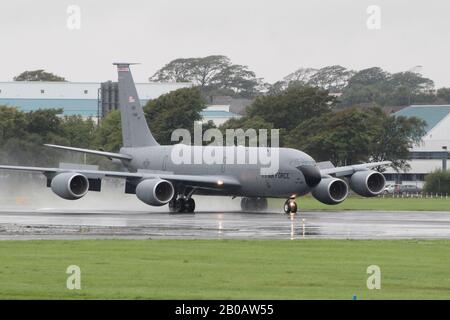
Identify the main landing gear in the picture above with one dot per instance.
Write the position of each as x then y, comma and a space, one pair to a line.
182, 205
182, 202
253, 204
290, 206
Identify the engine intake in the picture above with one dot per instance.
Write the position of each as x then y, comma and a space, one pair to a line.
155, 192
367, 183
331, 191
70, 186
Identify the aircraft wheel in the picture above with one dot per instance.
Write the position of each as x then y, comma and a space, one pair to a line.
189, 205
252, 204
262, 204
180, 205
290, 206
173, 205
244, 204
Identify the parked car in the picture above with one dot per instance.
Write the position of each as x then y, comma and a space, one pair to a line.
389, 188
407, 189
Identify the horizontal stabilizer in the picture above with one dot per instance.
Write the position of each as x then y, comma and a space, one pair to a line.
325, 165
110, 155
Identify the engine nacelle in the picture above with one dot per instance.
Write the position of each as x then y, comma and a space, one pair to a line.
155, 192
70, 185
331, 191
367, 183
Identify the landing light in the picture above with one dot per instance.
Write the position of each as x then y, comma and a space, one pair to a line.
220, 182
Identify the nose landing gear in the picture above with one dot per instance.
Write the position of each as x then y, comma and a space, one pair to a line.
290, 206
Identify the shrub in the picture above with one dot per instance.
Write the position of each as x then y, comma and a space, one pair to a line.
438, 182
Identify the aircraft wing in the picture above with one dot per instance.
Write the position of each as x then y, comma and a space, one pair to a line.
199, 181
110, 155
349, 170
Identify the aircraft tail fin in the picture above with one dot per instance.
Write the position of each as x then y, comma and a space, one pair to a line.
135, 131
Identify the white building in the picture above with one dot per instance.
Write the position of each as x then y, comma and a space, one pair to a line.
426, 157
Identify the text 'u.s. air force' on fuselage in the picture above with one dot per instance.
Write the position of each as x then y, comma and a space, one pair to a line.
158, 177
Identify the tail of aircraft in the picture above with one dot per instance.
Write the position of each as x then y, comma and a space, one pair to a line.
135, 131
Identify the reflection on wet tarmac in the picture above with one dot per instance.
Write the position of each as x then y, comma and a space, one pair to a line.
55, 224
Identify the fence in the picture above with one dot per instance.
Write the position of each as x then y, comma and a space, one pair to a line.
425, 195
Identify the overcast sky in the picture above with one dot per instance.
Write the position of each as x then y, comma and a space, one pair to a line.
272, 37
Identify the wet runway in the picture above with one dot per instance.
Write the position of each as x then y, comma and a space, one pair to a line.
87, 224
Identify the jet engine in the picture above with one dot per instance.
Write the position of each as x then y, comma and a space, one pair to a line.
331, 191
155, 192
70, 185
367, 183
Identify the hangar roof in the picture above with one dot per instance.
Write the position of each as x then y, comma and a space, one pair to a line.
217, 114
432, 114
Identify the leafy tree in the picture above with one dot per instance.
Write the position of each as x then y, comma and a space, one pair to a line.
356, 135
292, 106
108, 135
206, 71
332, 78
368, 77
302, 76
374, 86
178, 70
44, 122
175, 110
277, 88
413, 81
13, 123
343, 137
444, 94
238, 79
396, 136
246, 123
212, 74
23, 134
78, 131
438, 182
38, 75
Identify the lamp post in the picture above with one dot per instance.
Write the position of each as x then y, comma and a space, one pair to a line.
444, 158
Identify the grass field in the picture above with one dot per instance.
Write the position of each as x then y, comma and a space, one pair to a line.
220, 269
358, 203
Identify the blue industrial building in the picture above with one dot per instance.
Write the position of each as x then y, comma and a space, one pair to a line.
75, 98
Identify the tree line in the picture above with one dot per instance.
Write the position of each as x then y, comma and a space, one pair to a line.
217, 75
307, 117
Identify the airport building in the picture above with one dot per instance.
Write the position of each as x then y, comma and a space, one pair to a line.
218, 114
223, 108
95, 99
88, 99
432, 154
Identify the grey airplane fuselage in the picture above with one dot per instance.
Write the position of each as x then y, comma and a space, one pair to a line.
286, 181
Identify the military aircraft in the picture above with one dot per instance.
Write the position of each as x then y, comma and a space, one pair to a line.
156, 179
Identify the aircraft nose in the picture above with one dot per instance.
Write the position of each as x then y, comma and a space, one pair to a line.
312, 175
